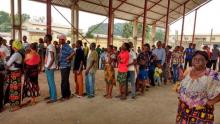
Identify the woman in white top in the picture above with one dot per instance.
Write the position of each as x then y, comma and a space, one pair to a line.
13, 80
199, 91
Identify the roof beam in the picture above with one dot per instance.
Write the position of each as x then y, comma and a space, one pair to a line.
179, 3
122, 2
117, 9
174, 9
149, 8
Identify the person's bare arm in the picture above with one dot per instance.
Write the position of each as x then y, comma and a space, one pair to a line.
52, 59
90, 66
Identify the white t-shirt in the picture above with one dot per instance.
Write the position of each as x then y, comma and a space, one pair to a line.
50, 48
25, 45
132, 57
16, 57
4, 49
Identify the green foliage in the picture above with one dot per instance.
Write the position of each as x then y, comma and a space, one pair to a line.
89, 35
159, 35
127, 30
5, 20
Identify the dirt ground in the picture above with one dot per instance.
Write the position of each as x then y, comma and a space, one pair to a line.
157, 106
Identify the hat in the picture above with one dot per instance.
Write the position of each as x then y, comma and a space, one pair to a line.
17, 45
62, 36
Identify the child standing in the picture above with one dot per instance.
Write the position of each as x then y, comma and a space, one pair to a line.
157, 74
123, 58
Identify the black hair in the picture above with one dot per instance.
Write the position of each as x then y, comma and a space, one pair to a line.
33, 46
127, 46
147, 45
49, 37
202, 53
79, 42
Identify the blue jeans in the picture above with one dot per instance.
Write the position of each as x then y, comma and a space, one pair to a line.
51, 83
90, 84
157, 81
131, 79
175, 73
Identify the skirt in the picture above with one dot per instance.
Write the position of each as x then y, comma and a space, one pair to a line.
143, 74
186, 115
31, 87
109, 75
12, 88
122, 77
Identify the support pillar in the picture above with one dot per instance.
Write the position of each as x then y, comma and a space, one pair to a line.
135, 31
184, 8
194, 27
110, 23
75, 22
16, 25
153, 32
167, 23
49, 31
144, 23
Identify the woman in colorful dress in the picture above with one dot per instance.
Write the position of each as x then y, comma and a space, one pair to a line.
143, 61
32, 61
109, 71
2, 77
123, 58
13, 80
198, 92
175, 62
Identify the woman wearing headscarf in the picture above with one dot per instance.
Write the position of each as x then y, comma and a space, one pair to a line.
32, 66
198, 92
13, 80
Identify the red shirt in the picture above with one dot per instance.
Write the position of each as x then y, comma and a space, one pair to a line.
123, 61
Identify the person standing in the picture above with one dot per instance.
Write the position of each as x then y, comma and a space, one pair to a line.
77, 69
66, 54
175, 62
2, 78
199, 92
41, 52
13, 80
86, 52
188, 56
123, 59
109, 71
92, 66
32, 67
25, 43
99, 51
132, 71
50, 66
214, 56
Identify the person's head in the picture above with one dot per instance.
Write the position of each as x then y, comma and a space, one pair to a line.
158, 65
190, 45
146, 47
62, 39
33, 47
25, 38
153, 46
168, 47
110, 48
4, 42
159, 44
193, 46
10, 42
85, 44
215, 46
78, 43
73, 45
92, 46
68, 42
125, 47
181, 48
200, 59
176, 49
98, 46
139, 48
41, 40
131, 45
17, 45
48, 39
163, 45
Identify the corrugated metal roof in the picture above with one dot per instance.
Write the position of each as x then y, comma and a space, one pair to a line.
133, 9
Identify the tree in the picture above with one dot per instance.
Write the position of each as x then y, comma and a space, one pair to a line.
159, 35
5, 20
89, 35
127, 30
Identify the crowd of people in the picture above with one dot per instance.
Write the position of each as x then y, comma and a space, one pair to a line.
148, 67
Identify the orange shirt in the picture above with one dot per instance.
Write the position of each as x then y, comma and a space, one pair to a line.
123, 61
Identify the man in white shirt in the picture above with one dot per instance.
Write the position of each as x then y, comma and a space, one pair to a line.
50, 66
131, 71
25, 42
160, 53
4, 48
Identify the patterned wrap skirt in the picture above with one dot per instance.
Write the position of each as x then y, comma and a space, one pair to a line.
122, 77
31, 87
196, 115
109, 74
2, 78
12, 88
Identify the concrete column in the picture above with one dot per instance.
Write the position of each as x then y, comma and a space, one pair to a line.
135, 31
75, 22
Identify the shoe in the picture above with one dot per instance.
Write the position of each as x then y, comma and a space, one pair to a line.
91, 96
123, 98
46, 98
133, 97
51, 101
118, 96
